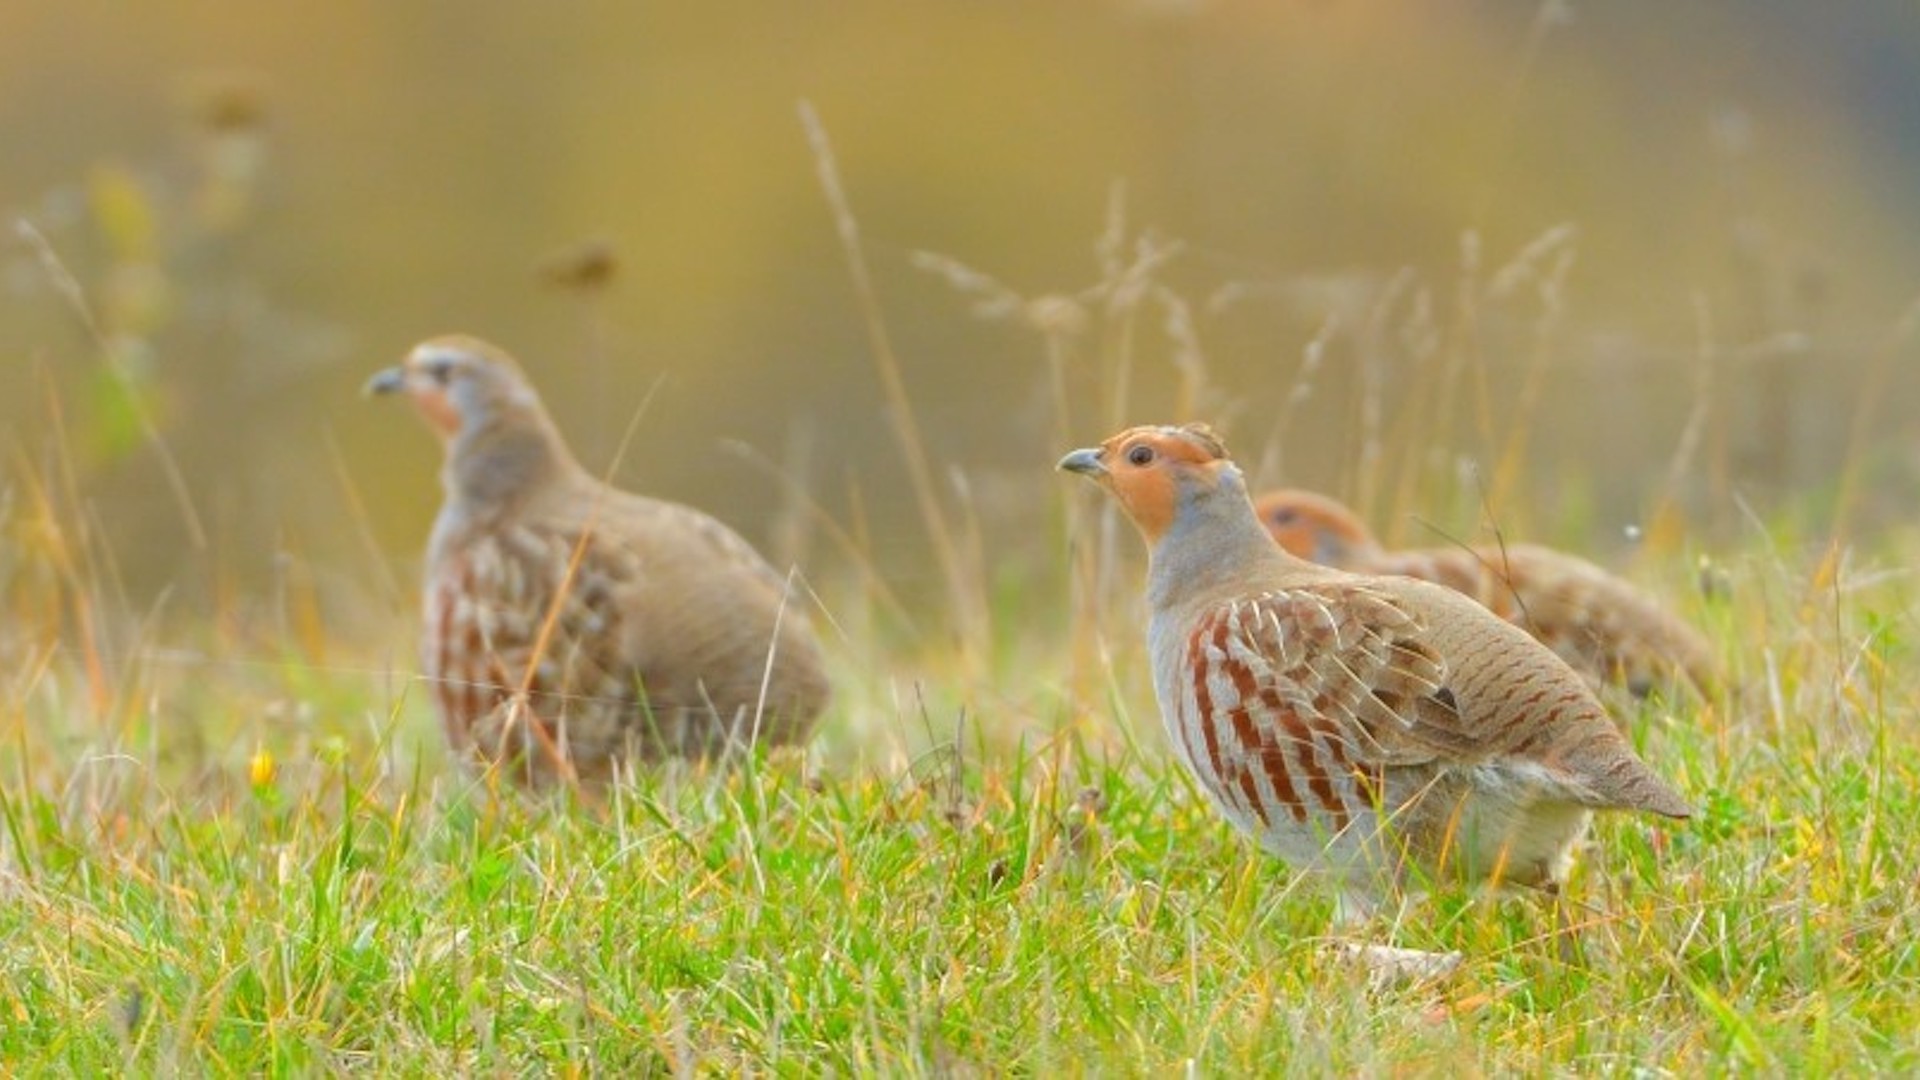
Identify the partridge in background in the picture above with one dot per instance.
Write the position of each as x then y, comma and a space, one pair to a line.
1599, 623
1359, 727
571, 626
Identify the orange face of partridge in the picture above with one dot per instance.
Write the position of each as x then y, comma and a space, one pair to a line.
428, 374
1314, 527
1143, 467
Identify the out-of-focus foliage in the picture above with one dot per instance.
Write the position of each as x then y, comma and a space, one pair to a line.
1596, 214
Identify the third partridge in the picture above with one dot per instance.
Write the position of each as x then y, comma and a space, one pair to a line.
1599, 623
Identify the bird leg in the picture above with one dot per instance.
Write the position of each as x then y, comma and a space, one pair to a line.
1566, 941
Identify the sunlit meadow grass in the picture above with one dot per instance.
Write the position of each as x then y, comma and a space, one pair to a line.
189, 888
231, 849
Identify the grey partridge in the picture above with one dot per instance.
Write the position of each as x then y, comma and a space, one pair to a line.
1601, 624
1379, 731
571, 626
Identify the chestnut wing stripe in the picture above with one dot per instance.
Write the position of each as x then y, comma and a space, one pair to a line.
1303, 733
1265, 734
1198, 668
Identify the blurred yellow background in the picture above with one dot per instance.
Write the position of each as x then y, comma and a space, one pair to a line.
262, 204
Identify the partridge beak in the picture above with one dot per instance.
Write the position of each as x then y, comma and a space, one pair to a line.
390, 381
1085, 462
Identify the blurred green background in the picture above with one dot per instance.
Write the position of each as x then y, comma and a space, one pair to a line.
264, 203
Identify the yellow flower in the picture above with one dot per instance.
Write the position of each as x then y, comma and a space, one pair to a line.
262, 768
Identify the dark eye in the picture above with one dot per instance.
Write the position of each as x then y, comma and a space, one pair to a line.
1286, 515
438, 370
1141, 454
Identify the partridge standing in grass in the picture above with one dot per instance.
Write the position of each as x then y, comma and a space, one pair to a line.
571, 626
1600, 624
1379, 730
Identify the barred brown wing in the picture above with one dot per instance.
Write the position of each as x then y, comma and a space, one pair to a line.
1301, 698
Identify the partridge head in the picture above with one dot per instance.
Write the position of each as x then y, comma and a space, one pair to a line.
1603, 625
1316, 528
462, 385
1379, 730
571, 626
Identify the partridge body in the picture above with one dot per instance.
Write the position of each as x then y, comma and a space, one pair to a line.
570, 626
1356, 725
1599, 623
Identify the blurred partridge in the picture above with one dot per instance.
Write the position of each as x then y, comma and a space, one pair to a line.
1599, 623
571, 626
1359, 727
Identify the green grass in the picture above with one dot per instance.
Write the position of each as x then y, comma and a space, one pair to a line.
232, 843
1038, 892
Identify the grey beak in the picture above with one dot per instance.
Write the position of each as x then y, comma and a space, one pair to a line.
1085, 462
390, 381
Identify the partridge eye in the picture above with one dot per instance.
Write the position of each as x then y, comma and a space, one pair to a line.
1140, 455
439, 371
1284, 516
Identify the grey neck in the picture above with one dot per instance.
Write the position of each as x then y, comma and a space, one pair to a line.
495, 467
1215, 538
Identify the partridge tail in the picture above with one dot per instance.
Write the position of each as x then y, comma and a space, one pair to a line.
1623, 782
1650, 793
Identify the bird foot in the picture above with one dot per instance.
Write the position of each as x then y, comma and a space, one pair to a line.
1388, 965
